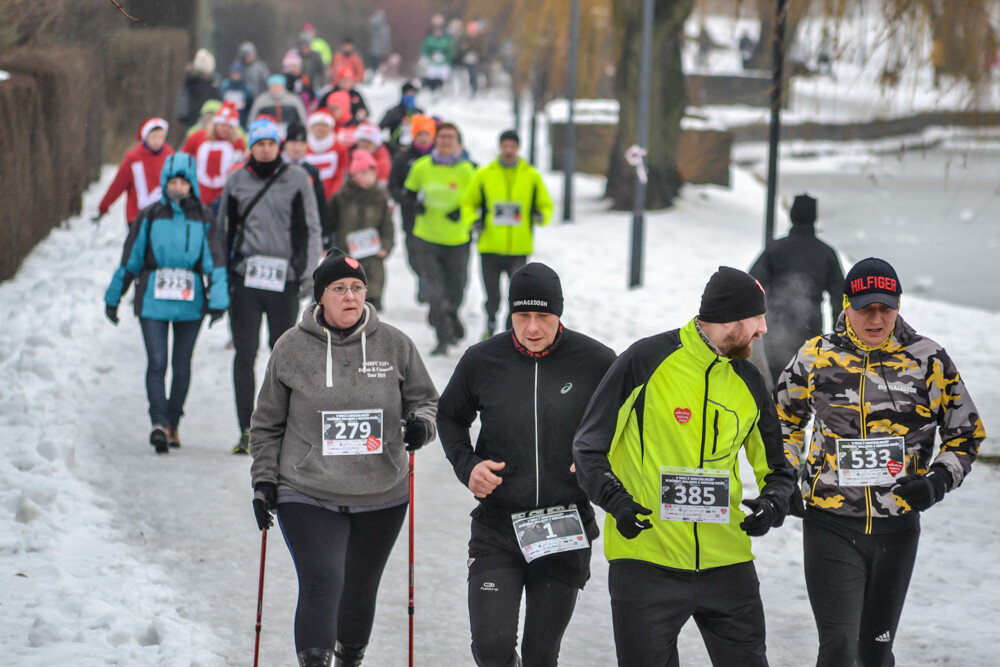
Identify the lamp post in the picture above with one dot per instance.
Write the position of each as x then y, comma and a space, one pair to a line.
569, 159
777, 89
639, 195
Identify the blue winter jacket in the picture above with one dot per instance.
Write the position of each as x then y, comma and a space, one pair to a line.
168, 235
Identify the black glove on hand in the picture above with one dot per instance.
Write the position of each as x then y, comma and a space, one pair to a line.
764, 514
214, 316
455, 215
265, 499
416, 433
629, 525
796, 503
922, 491
420, 208
111, 312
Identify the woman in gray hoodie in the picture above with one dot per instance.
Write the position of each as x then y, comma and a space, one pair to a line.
330, 455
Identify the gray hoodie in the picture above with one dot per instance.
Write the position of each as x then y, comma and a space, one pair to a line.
300, 432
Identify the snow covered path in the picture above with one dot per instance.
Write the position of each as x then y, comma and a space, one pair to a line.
112, 555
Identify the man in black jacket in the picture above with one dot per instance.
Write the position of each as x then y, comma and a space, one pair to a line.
530, 387
795, 271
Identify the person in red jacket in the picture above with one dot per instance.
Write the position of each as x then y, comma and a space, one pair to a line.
216, 149
349, 58
325, 152
139, 173
368, 137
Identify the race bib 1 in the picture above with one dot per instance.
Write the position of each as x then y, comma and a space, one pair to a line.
174, 285
507, 213
350, 432
266, 273
549, 530
869, 461
364, 243
694, 495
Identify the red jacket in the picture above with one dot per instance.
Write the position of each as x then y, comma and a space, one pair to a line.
214, 159
139, 176
332, 165
352, 61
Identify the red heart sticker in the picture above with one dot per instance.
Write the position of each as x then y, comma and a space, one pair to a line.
351, 262
373, 443
894, 467
579, 537
723, 510
185, 294
682, 415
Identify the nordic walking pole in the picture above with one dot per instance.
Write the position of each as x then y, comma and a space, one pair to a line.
260, 594
411, 560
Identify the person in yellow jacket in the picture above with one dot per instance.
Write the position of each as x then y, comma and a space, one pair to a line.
664, 430
505, 201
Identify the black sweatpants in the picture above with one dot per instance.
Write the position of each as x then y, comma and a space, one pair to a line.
444, 272
498, 573
339, 559
492, 268
650, 605
247, 306
857, 584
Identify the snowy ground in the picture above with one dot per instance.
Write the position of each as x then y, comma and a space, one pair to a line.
112, 555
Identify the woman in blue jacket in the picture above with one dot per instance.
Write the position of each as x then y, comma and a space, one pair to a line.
174, 254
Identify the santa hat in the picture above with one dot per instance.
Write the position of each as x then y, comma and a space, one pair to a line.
149, 125
324, 116
291, 59
368, 132
227, 115
361, 161
345, 72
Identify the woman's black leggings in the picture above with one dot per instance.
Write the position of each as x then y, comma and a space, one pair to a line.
339, 559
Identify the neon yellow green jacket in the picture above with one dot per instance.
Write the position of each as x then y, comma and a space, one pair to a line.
670, 401
442, 187
495, 184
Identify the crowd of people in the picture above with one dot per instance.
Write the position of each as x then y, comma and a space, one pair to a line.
283, 192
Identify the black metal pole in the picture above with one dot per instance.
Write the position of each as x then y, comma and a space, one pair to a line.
777, 92
569, 159
639, 196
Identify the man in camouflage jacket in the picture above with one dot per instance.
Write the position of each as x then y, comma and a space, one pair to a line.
878, 391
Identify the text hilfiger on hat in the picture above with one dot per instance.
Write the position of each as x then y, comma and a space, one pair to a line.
872, 280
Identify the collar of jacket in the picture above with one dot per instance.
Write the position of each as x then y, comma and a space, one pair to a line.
697, 344
902, 334
538, 355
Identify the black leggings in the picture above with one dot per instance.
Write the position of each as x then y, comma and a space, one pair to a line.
493, 266
857, 584
339, 559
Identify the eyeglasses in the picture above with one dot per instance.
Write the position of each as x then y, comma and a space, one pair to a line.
341, 290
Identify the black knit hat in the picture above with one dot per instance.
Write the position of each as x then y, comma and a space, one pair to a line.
731, 295
803, 210
296, 132
872, 280
535, 288
335, 266
511, 135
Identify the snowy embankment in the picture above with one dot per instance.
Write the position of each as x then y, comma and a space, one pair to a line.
112, 555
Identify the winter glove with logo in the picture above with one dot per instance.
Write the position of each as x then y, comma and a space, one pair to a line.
625, 513
764, 514
111, 312
416, 433
922, 491
265, 500
214, 315
455, 215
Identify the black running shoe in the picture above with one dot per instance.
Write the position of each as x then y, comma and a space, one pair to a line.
158, 439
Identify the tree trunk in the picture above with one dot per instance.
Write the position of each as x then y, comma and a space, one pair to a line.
667, 99
767, 11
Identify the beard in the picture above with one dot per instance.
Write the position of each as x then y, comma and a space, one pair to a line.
736, 346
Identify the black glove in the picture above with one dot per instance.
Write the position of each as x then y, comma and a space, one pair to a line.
419, 208
111, 312
629, 525
416, 433
922, 491
265, 499
214, 315
796, 503
537, 217
765, 513
455, 215
478, 226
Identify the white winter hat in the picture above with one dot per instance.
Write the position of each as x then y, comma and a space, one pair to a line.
368, 132
204, 61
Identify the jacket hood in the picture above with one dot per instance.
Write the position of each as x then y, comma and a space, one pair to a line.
312, 324
183, 165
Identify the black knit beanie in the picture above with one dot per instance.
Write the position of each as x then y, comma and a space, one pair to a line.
335, 266
803, 210
731, 295
535, 288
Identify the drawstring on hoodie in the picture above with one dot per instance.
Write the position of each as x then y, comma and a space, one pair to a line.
329, 358
364, 349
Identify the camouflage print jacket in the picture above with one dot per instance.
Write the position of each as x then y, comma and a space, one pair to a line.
907, 387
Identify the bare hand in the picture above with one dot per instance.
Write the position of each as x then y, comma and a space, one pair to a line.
482, 481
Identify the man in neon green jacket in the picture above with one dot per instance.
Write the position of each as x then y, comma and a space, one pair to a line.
508, 197
664, 430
